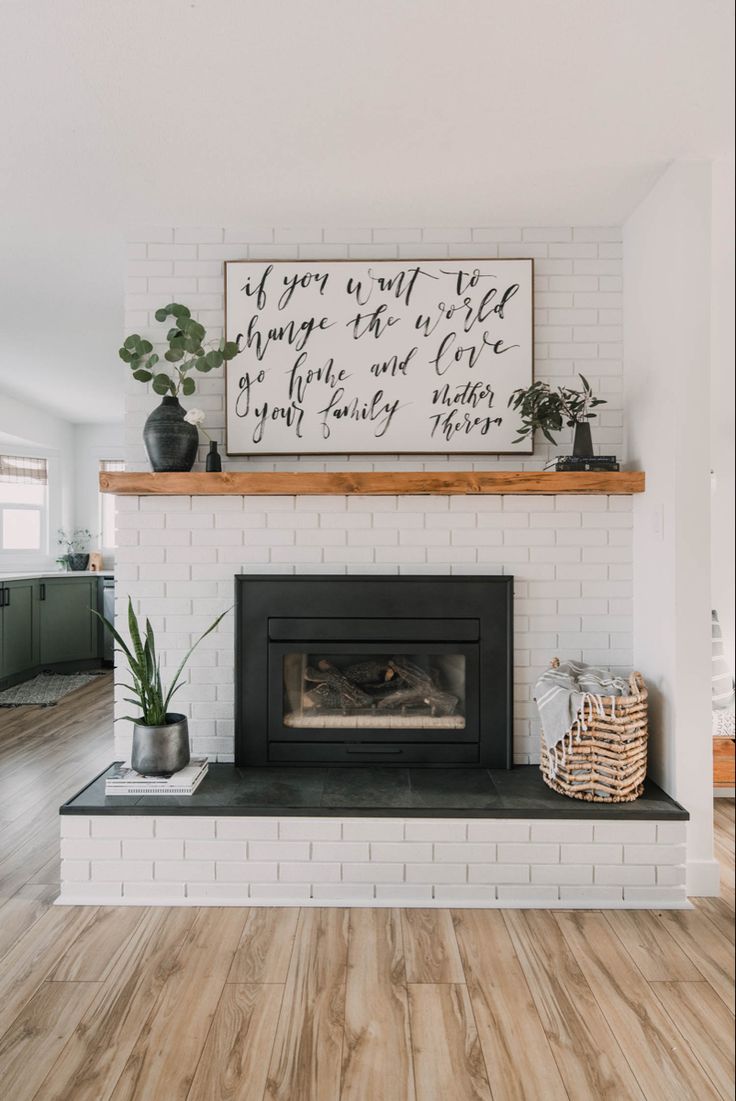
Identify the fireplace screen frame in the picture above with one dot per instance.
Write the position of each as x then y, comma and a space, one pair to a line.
363, 614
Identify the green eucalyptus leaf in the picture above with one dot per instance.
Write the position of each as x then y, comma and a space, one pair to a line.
125, 355
162, 314
188, 387
142, 376
214, 359
131, 342
152, 361
178, 311
162, 384
145, 347
174, 355
230, 349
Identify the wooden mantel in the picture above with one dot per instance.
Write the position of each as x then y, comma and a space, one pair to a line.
373, 483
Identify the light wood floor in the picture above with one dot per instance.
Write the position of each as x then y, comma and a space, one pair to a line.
336, 1005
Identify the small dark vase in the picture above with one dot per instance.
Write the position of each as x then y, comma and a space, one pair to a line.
582, 444
213, 462
78, 562
171, 442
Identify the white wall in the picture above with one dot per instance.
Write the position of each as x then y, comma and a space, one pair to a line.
667, 279
28, 430
723, 428
73, 453
93, 442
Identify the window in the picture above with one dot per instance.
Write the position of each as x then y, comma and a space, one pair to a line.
23, 501
107, 504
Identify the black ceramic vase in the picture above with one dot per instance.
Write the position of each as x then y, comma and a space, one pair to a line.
78, 562
171, 442
582, 444
213, 462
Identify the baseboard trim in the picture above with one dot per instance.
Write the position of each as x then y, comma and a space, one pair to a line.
703, 878
68, 899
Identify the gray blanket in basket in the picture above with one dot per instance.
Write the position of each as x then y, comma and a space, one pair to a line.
567, 697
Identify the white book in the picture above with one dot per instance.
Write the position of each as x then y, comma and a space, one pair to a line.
124, 780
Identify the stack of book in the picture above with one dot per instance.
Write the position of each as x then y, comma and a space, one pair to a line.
589, 462
124, 780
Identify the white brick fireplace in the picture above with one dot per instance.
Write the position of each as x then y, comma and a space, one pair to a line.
571, 558
570, 555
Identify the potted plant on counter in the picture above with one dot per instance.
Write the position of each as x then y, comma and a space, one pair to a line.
76, 548
539, 406
160, 736
171, 442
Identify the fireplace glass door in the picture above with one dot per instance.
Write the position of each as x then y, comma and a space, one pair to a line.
385, 691
402, 692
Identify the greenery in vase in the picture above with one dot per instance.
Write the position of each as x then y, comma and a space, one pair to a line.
74, 542
539, 406
149, 692
187, 351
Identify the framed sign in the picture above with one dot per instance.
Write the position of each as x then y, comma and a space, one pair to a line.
377, 356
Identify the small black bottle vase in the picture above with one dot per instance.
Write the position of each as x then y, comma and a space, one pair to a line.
582, 444
213, 462
171, 442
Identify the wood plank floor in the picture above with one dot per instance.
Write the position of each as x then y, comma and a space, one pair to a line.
141, 1004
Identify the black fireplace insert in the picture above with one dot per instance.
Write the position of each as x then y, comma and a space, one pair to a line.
377, 669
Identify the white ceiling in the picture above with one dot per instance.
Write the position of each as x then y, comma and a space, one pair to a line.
313, 112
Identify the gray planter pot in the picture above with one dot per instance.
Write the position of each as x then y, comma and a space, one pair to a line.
170, 441
161, 750
78, 562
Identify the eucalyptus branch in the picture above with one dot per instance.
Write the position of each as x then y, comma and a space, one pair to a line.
185, 337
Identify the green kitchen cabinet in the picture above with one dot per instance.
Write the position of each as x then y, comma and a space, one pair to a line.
68, 631
18, 627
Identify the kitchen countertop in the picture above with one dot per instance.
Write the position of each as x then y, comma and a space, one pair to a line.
47, 574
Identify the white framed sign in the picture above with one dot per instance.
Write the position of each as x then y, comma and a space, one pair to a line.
380, 356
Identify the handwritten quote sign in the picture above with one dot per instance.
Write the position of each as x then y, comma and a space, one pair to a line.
377, 356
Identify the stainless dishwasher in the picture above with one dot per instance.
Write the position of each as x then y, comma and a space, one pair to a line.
108, 610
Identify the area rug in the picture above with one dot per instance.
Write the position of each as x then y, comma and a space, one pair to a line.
45, 690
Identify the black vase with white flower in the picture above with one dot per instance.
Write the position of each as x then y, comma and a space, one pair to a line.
171, 440
213, 462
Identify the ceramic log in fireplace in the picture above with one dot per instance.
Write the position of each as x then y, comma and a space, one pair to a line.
374, 669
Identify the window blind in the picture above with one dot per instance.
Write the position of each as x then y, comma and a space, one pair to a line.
23, 470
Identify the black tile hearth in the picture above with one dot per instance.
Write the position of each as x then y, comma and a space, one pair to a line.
366, 788
375, 792
438, 789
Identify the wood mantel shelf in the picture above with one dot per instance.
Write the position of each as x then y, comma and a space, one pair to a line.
372, 483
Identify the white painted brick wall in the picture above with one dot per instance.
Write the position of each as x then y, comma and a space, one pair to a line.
571, 556
214, 861
180, 573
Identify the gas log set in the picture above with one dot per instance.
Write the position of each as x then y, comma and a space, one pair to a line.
396, 684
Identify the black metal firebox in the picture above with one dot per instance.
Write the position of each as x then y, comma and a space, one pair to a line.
377, 669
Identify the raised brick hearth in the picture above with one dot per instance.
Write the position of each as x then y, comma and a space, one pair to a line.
342, 837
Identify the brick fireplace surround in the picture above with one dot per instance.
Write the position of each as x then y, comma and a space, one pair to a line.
570, 556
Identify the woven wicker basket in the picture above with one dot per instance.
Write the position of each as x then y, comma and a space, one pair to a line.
607, 762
